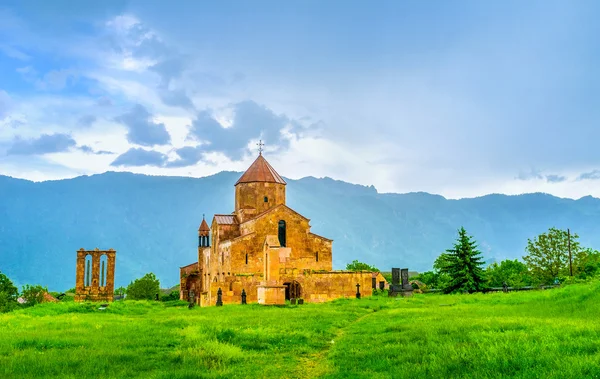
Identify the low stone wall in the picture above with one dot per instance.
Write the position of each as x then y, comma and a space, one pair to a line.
316, 287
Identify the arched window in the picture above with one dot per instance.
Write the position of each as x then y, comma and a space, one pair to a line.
103, 269
266, 199
317, 256
246, 258
281, 233
87, 279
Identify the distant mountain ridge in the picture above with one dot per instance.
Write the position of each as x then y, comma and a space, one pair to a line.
152, 222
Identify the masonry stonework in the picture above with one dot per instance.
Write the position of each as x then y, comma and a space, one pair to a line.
267, 249
95, 275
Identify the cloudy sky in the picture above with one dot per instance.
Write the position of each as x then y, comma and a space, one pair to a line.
458, 98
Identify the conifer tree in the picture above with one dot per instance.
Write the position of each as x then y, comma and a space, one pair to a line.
463, 264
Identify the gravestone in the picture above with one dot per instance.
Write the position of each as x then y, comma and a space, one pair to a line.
395, 276
400, 285
219, 297
243, 296
191, 299
300, 301
404, 275
293, 301
357, 291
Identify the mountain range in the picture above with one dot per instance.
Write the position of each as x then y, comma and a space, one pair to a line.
152, 222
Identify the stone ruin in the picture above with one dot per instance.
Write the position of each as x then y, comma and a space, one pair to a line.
95, 278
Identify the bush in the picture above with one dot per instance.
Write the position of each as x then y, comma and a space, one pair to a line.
33, 294
144, 288
360, 266
174, 295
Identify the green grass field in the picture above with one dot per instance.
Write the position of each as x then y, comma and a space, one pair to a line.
541, 334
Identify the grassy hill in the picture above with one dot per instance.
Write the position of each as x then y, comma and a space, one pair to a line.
152, 222
537, 334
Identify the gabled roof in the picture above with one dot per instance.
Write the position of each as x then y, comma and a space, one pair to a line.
319, 236
190, 265
226, 219
271, 209
260, 171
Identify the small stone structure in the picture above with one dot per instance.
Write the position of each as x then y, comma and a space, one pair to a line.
95, 279
396, 288
378, 281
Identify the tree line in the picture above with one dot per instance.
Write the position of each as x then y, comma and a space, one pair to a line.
553, 257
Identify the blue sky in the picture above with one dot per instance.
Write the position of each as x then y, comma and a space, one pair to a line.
458, 98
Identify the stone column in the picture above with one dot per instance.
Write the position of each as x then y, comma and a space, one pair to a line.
110, 272
95, 272
80, 271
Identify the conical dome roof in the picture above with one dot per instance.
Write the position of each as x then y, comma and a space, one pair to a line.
204, 226
260, 171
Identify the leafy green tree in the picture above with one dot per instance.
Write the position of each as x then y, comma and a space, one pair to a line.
8, 294
463, 265
120, 290
548, 257
359, 266
433, 279
144, 288
513, 273
33, 294
587, 264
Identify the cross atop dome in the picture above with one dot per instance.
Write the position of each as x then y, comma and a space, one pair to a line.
260, 144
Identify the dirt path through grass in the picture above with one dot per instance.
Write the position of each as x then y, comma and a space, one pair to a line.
318, 364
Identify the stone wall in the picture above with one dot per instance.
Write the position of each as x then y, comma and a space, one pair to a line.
189, 280
251, 198
244, 254
316, 287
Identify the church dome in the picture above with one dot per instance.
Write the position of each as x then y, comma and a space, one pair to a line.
260, 171
204, 229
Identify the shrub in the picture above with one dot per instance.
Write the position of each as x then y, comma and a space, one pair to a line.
360, 266
144, 288
33, 294
174, 295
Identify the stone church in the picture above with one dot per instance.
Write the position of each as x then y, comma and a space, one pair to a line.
265, 249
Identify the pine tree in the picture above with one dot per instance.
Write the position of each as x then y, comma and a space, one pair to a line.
463, 264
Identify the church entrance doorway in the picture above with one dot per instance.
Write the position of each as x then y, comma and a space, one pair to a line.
191, 288
292, 290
